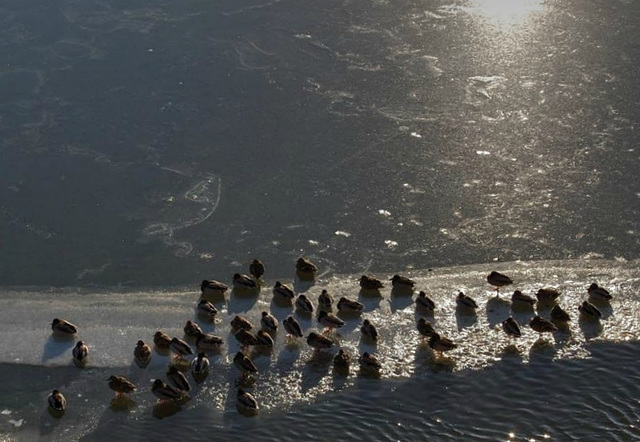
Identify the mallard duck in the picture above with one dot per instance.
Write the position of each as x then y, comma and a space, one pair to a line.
467, 302
256, 268
440, 344
318, 341
511, 328
590, 310
165, 392
246, 401
246, 338
264, 339
498, 280
346, 305
599, 292
244, 364
368, 330
121, 385
209, 342
244, 282
342, 359
559, 315
399, 281
370, 283
304, 304
425, 328
180, 348
207, 309
57, 401
369, 362
541, 325
161, 340
547, 296
325, 300
292, 327
192, 329
200, 365
424, 302
520, 299
80, 352
329, 320
63, 327
241, 323
269, 322
306, 269
142, 353
178, 379
283, 292
213, 287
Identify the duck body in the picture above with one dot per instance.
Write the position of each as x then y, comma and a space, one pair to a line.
192, 329
369, 362
598, 292
329, 320
424, 302
369, 330
57, 401
63, 327
466, 302
590, 310
304, 304
283, 292
425, 328
346, 305
244, 282
213, 287
368, 282
200, 365
80, 352
244, 364
498, 280
246, 401
292, 327
269, 322
305, 269
207, 309
164, 391
264, 339
511, 328
209, 342
162, 340
241, 323
178, 379
547, 296
541, 325
121, 385
179, 347
256, 268
142, 352
319, 342
440, 344
325, 300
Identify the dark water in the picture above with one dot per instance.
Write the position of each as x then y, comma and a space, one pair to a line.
157, 143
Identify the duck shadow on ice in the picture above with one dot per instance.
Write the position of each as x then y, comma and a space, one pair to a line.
315, 368
241, 301
399, 302
465, 318
497, 310
591, 327
56, 346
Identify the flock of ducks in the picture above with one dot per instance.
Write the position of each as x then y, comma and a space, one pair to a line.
177, 386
